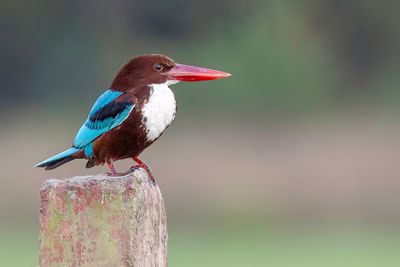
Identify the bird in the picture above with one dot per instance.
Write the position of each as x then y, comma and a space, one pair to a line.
132, 114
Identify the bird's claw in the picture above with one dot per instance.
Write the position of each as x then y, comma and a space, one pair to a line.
131, 170
148, 171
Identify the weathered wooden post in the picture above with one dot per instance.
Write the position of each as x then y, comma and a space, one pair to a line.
103, 221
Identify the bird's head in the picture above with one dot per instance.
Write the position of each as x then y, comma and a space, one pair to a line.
154, 68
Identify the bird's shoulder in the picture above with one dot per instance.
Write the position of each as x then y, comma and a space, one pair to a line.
104, 99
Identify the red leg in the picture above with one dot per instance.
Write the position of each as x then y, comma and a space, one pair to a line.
112, 172
141, 164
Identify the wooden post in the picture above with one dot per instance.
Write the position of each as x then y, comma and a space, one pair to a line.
103, 221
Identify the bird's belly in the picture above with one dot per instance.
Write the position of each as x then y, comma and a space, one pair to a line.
159, 111
122, 142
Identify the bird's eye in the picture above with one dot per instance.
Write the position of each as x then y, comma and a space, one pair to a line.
158, 67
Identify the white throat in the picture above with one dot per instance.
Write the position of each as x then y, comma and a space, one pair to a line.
159, 111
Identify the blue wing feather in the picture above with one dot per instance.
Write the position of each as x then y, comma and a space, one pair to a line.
107, 97
104, 116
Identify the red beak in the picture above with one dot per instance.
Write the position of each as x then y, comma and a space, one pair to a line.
194, 74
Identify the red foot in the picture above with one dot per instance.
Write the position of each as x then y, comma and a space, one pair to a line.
113, 172
119, 173
141, 164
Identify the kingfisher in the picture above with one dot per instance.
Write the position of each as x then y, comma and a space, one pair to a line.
132, 114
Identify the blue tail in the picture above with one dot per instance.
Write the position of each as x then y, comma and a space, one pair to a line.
58, 160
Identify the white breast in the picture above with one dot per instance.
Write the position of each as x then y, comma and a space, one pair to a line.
159, 111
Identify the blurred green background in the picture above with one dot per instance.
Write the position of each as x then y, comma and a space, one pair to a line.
292, 161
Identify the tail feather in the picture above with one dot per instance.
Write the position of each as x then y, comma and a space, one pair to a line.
90, 164
58, 160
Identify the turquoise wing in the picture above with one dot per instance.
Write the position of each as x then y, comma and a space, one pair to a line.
105, 115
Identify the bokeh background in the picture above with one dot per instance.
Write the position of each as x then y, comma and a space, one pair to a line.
292, 161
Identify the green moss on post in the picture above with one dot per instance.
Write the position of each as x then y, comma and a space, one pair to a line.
103, 221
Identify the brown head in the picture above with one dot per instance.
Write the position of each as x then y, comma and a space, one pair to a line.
154, 68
